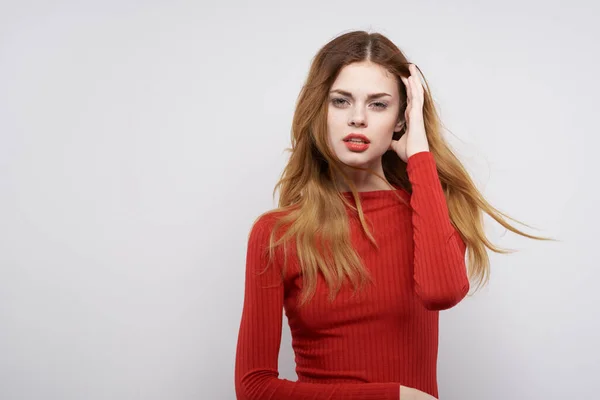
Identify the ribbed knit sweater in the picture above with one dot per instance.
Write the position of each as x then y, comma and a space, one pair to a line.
364, 346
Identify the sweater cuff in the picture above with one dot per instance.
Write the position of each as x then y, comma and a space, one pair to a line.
423, 162
393, 391
419, 158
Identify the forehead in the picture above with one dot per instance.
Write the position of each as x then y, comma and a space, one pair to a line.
366, 77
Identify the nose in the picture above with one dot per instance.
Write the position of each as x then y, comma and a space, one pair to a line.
358, 118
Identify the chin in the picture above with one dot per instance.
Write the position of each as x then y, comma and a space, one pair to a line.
357, 159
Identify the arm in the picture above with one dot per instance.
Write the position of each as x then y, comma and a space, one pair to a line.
259, 339
440, 273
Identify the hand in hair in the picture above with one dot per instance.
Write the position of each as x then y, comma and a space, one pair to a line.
414, 139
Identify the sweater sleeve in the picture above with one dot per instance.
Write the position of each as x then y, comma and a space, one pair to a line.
440, 273
259, 338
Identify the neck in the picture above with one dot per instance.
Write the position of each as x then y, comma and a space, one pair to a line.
364, 181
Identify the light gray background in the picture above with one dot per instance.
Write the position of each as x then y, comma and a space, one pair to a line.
140, 139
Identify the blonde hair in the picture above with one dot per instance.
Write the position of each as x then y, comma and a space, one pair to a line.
311, 206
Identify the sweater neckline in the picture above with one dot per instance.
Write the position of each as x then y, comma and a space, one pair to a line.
377, 199
377, 192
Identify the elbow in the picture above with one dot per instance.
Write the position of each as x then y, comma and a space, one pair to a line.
243, 389
252, 384
240, 390
438, 300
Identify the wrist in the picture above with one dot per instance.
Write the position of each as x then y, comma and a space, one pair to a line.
416, 150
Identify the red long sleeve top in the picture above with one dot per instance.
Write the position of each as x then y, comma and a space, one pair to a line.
363, 346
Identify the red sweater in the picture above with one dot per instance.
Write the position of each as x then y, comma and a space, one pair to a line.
362, 347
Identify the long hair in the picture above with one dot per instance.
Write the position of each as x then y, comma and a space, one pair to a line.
311, 206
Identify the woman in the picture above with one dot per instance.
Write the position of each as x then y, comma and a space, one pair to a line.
369, 240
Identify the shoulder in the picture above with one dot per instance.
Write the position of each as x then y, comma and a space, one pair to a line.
263, 249
264, 224
267, 220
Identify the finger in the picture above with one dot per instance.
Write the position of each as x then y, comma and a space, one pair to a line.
413, 70
409, 88
418, 84
406, 84
419, 87
416, 89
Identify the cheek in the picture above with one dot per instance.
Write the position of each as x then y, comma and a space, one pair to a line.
335, 120
335, 127
382, 131
384, 127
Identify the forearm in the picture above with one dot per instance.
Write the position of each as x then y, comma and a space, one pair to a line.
440, 274
264, 385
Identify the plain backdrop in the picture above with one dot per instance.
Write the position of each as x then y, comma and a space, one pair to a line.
140, 140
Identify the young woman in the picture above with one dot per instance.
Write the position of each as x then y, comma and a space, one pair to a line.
369, 240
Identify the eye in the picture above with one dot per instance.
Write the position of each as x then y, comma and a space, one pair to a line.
338, 101
380, 105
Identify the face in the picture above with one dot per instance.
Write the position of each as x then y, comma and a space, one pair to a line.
363, 114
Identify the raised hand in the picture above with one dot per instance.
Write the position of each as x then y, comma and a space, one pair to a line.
414, 139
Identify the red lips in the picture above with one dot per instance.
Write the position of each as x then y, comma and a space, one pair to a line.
356, 136
356, 142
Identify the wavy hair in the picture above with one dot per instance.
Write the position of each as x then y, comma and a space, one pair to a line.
313, 210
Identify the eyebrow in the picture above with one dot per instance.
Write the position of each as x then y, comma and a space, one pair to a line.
369, 97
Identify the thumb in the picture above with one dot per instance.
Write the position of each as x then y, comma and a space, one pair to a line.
399, 146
